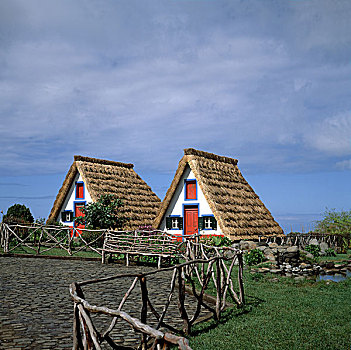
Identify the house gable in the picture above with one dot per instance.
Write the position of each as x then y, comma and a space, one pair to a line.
237, 208
72, 198
108, 177
179, 201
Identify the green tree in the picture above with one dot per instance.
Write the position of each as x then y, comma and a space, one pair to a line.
335, 222
18, 213
105, 213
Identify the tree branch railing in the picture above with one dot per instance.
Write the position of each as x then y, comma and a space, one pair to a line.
153, 243
183, 278
39, 239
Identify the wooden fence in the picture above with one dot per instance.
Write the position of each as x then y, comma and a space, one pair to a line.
194, 276
39, 239
153, 243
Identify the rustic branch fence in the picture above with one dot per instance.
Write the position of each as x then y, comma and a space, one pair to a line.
192, 276
155, 243
39, 239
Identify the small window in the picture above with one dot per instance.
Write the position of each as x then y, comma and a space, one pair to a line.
67, 216
79, 190
190, 189
207, 223
174, 223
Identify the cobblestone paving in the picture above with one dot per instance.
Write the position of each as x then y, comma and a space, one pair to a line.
36, 308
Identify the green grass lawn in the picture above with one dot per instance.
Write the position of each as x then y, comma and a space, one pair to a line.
283, 315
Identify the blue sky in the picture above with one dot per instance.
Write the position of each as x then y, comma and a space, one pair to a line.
266, 82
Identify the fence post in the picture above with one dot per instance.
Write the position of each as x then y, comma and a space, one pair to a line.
181, 300
7, 239
143, 316
240, 278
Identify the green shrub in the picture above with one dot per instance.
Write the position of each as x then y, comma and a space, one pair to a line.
105, 213
18, 213
216, 241
254, 257
330, 252
313, 249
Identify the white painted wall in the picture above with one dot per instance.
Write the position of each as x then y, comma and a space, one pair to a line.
176, 205
68, 203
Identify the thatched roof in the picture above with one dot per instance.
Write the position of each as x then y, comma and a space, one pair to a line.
107, 177
238, 210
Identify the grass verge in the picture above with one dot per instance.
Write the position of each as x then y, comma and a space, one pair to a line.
282, 314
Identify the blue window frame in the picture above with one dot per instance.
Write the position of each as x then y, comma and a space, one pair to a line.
67, 216
190, 190
80, 190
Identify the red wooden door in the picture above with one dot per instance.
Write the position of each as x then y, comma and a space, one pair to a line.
78, 212
191, 220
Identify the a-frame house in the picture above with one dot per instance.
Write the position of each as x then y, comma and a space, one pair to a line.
89, 178
209, 195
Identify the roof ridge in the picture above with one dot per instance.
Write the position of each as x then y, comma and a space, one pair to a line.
195, 152
103, 161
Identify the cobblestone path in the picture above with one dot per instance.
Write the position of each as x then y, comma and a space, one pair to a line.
36, 308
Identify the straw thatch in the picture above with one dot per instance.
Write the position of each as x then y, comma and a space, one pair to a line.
238, 210
107, 177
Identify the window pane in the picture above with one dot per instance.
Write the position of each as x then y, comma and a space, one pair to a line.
80, 190
190, 190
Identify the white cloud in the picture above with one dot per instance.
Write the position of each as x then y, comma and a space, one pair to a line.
344, 165
332, 135
139, 86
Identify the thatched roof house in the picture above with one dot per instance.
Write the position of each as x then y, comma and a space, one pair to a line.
212, 188
89, 178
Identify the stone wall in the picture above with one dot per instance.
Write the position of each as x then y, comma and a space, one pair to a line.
292, 261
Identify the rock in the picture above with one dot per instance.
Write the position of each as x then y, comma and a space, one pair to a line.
322, 253
261, 248
244, 245
264, 269
229, 254
299, 278
252, 245
314, 241
275, 271
270, 257
236, 245
290, 255
273, 245
267, 251
281, 249
293, 249
309, 256
329, 265
324, 246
